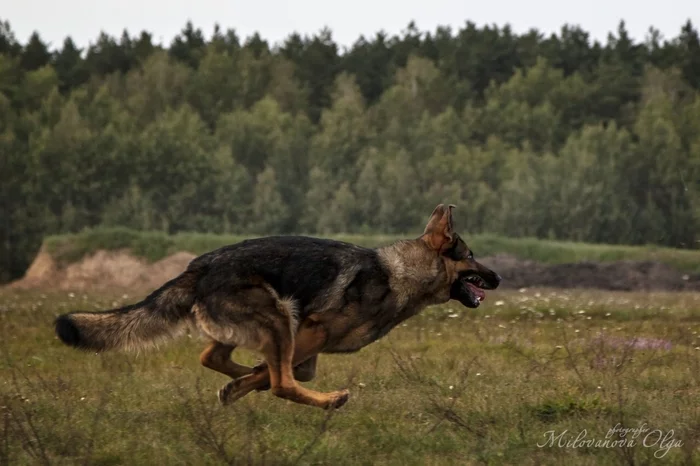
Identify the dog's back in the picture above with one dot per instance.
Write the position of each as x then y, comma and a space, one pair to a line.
313, 271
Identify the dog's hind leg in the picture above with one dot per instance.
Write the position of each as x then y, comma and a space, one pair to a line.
281, 355
217, 356
304, 372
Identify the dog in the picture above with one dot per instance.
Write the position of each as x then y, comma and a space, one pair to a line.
291, 298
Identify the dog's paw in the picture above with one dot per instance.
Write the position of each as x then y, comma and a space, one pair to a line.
225, 393
338, 399
230, 392
236, 389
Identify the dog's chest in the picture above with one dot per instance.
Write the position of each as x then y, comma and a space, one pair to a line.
355, 328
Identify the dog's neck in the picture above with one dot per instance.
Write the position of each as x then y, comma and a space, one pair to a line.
415, 271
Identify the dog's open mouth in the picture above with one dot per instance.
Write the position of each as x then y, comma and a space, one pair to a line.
469, 290
476, 285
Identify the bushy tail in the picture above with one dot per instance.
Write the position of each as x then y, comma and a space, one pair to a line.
161, 315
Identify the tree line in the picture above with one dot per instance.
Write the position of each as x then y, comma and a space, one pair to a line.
551, 136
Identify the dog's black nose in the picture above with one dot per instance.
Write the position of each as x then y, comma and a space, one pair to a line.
497, 278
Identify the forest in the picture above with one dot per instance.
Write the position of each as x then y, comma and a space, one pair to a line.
558, 137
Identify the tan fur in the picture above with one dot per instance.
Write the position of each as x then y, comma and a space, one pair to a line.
244, 335
418, 275
286, 306
136, 330
217, 356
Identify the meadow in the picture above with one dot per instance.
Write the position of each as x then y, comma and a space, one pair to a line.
533, 376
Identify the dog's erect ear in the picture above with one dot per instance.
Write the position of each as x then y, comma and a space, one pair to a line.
439, 232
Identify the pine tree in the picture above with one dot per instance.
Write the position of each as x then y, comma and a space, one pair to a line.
35, 54
70, 66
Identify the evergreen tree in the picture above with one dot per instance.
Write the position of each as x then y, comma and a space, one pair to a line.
70, 66
35, 54
689, 43
8, 42
188, 47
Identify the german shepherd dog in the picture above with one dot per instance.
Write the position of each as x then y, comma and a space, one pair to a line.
291, 298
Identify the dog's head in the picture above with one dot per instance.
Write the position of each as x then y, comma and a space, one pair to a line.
467, 278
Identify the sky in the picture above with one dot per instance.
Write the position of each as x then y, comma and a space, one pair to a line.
276, 19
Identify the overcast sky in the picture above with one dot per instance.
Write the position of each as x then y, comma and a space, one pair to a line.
276, 19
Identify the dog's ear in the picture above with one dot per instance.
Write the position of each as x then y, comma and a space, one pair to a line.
439, 232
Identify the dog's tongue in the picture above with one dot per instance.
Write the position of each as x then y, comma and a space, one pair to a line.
477, 291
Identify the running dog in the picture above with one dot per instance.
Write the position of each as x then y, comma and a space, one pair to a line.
291, 298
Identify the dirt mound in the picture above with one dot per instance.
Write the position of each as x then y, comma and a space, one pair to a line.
119, 270
103, 270
620, 275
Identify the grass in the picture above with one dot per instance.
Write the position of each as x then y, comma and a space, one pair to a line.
157, 245
450, 386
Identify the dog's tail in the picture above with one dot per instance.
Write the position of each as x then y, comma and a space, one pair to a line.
161, 315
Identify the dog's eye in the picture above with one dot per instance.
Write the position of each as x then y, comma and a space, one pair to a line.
470, 256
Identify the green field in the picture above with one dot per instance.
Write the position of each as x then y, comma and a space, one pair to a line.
157, 245
451, 386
